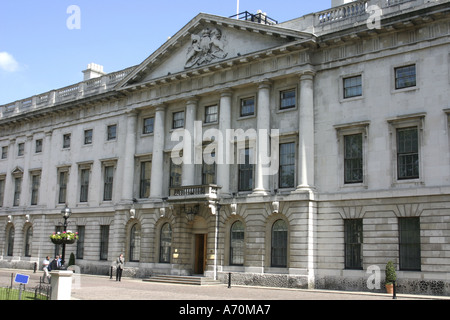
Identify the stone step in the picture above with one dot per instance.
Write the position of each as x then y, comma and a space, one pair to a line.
187, 280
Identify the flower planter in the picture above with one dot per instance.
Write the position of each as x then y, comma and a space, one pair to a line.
64, 238
389, 288
63, 241
57, 241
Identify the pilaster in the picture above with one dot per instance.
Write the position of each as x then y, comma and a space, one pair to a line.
263, 145
306, 151
130, 150
224, 143
188, 177
156, 185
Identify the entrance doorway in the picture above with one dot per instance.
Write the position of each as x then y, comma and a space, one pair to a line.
200, 253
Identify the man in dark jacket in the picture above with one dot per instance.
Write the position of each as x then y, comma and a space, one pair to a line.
55, 264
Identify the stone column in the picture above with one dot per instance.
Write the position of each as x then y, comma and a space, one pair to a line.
263, 145
156, 184
46, 196
224, 143
25, 194
305, 168
128, 163
9, 180
188, 178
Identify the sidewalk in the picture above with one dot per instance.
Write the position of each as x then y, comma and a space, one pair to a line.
90, 287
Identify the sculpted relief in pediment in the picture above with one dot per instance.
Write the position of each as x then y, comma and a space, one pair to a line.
205, 47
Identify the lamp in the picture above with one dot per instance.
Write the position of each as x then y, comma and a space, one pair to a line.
66, 212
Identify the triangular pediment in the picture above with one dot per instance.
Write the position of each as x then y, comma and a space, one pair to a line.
18, 171
207, 40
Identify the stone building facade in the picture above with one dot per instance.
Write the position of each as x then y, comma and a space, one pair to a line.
354, 115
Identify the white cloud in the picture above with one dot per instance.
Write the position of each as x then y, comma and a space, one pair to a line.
8, 63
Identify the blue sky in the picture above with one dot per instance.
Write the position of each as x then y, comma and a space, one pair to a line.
39, 52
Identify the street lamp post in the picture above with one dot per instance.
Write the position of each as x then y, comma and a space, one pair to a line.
216, 238
66, 212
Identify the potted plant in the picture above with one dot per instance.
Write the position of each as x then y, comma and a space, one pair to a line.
391, 277
66, 237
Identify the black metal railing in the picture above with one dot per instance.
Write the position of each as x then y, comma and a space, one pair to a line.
193, 191
258, 17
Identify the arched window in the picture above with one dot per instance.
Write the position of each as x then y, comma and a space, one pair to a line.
279, 244
165, 243
28, 241
135, 243
10, 245
237, 244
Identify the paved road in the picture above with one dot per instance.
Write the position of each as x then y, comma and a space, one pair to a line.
89, 287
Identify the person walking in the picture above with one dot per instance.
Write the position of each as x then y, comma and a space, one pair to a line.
55, 265
119, 267
45, 264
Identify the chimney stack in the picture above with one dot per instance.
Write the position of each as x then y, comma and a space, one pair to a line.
337, 3
93, 71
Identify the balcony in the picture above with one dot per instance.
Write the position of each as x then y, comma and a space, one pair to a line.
193, 193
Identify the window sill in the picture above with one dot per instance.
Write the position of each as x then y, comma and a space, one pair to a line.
279, 111
408, 183
246, 117
351, 99
408, 89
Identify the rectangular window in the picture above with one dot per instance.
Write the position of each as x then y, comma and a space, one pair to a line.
80, 242
287, 165
66, 141
352, 87
287, 99
84, 185
17, 189
63, 176
149, 125
108, 183
176, 171
407, 153
35, 182
146, 170
353, 234
88, 136
38, 146
209, 172
409, 243
2, 191
178, 120
112, 132
21, 149
353, 158
245, 170
104, 241
247, 107
211, 114
405, 77
4, 152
